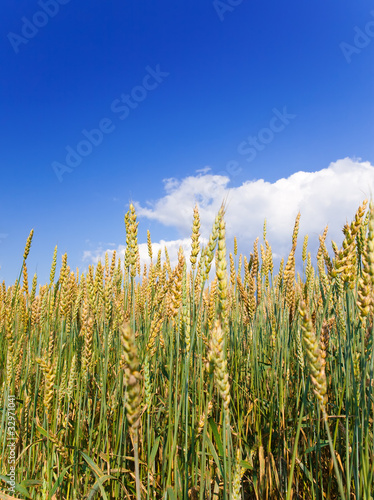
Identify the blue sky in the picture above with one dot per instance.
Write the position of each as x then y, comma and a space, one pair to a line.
195, 82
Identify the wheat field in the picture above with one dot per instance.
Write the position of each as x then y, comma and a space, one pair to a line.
236, 381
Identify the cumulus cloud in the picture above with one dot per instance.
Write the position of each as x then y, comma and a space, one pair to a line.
329, 196
172, 247
176, 207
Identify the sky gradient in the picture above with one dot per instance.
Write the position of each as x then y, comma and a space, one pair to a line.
105, 103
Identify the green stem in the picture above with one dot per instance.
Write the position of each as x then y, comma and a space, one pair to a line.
336, 468
294, 453
136, 458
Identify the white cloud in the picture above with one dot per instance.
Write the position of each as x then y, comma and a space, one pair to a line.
204, 170
329, 196
325, 197
172, 248
176, 207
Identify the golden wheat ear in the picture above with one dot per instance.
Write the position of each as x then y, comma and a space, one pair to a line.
130, 365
